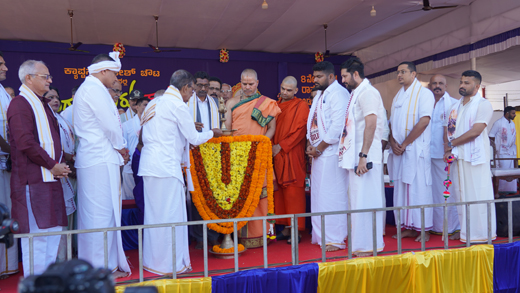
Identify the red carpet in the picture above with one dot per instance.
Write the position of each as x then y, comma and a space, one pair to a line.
279, 254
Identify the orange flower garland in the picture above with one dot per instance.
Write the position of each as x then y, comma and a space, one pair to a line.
224, 55
217, 249
259, 164
119, 47
226, 167
318, 57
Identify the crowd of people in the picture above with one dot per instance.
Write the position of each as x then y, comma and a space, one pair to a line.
89, 157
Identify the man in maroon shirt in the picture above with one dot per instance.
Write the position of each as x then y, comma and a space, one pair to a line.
38, 203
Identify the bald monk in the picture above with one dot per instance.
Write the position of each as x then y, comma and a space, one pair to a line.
289, 156
252, 114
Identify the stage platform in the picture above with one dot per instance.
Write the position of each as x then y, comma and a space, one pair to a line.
279, 255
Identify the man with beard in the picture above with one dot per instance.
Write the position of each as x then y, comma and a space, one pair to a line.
467, 139
441, 110
289, 156
9, 258
409, 160
360, 146
503, 133
204, 112
328, 181
203, 108
251, 113
100, 153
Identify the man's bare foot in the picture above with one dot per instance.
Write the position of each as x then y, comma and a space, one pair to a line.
330, 248
426, 237
407, 234
119, 274
363, 254
455, 236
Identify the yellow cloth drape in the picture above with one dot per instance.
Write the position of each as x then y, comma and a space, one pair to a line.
454, 270
199, 285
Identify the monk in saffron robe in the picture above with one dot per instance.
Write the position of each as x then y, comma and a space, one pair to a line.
252, 114
289, 156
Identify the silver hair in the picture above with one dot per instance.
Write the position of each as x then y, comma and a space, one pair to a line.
28, 67
180, 78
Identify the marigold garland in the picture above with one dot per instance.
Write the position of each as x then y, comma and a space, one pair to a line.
224, 55
217, 249
226, 164
208, 176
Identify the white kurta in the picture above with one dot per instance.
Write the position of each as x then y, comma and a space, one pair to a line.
9, 258
440, 112
128, 115
67, 115
504, 132
328, 180
166, 137
474, 180
411, 171
100, 135
131, 131
364, 191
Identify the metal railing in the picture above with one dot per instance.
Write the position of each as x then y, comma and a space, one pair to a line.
294, 232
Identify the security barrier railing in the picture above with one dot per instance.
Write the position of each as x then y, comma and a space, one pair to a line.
294, 232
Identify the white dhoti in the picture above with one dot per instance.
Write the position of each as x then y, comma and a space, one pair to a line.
438, 177
9, 258
329, 193
365, 193
99, 206
45, 249
475, 184
165, 202
503, 185
417, 193
127, 189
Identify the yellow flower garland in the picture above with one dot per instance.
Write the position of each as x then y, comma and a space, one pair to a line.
262, 165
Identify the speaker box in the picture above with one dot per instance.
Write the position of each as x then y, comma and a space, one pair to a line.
501, 214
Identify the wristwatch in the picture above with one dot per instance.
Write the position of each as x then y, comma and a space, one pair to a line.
450, 145
361, 155
318, 152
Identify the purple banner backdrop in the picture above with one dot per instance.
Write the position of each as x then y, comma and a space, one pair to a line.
152, 72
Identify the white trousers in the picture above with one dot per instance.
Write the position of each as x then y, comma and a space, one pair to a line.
329, 193
9, 258
99, 206
165, 202
365, 193
438, 177
127, 189
417, 193
45, 249
502, 184
475, 184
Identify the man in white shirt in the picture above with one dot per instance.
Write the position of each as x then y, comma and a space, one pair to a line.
101, 150
131, 111
67, 113
167, 134
442, 107
131, 130
409, 160
226, 92
204, 112
467, 139
503, 133
360, 154
9, 258
115, 91
328, 180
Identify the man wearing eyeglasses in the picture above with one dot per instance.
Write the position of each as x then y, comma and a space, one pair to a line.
9, 258
215, 85
131, 111
226, 92
409, 163
115, 91
36, 153
204, 111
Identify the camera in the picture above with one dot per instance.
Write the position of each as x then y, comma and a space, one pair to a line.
9, 226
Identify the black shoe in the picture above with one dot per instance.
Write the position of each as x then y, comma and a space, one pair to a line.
280, 236
299, 240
